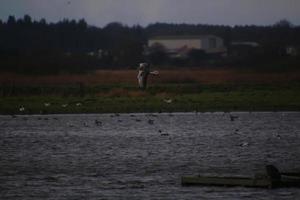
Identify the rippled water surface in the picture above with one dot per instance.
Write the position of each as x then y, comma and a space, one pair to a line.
143, 156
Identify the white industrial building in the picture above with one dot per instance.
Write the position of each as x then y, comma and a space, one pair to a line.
208, 43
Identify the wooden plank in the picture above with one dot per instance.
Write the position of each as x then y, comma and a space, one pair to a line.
226, 181
240, 181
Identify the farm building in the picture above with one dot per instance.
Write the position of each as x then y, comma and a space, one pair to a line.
210, 44
241, 49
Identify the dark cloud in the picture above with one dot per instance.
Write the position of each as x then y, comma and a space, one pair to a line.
101, 12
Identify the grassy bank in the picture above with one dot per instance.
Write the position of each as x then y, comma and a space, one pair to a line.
119, 98
174, 76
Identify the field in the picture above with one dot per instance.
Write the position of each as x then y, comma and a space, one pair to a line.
173, 90
204, 76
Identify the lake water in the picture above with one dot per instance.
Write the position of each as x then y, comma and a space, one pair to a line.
143, 156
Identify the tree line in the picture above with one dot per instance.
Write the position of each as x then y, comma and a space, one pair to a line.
29, 46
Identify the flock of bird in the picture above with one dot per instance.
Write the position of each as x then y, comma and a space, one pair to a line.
97, 122
47, 104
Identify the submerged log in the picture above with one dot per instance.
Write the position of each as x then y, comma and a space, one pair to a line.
225, 181
272, 179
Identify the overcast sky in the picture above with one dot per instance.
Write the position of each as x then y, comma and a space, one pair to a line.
143, 12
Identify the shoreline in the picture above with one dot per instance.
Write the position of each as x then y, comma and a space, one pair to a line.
153, 110
153, 113
158, 98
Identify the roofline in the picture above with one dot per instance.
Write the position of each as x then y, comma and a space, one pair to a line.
172, 37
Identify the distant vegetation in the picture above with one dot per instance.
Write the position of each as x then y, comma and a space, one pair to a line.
69, 46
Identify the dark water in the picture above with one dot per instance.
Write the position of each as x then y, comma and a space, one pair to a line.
143, 156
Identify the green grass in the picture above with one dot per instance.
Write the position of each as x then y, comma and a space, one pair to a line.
185, 97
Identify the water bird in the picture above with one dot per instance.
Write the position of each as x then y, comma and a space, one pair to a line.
22, 109
64, 105
278, 136
151, 115
244, 144
47, 104
78, 104
150, 121
115, 115
70, 125
168, 100
98, 123
232, 117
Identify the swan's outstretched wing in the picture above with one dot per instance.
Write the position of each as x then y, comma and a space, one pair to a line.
154, 72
